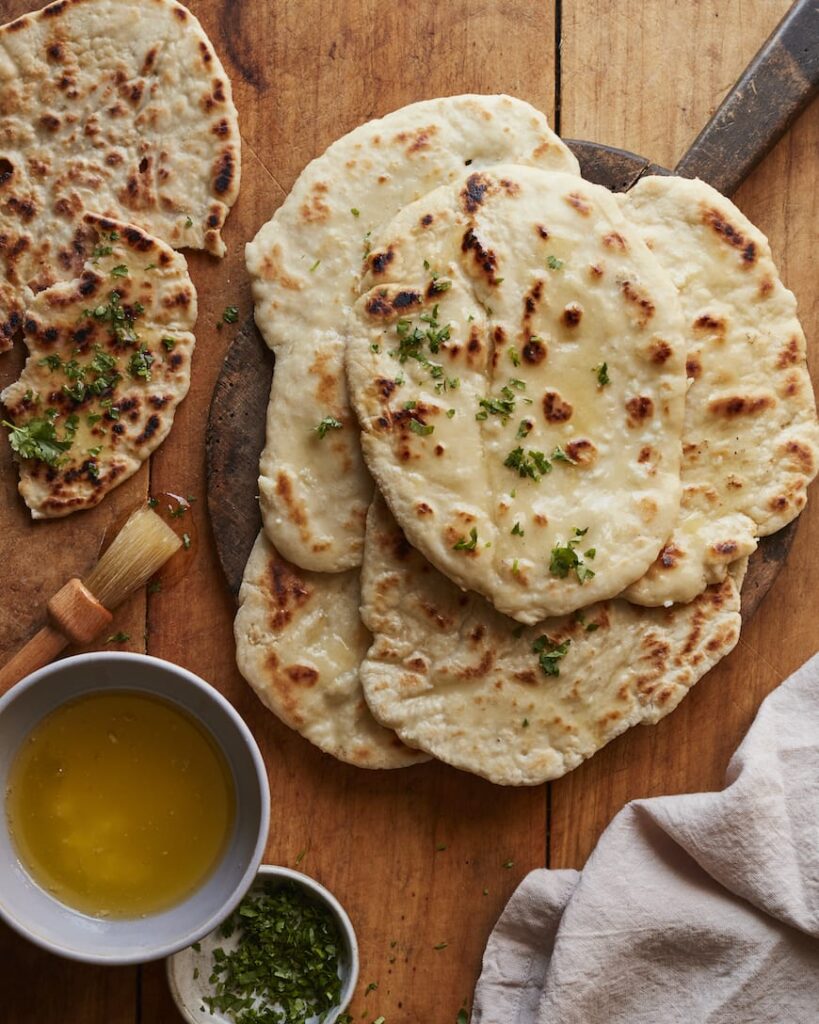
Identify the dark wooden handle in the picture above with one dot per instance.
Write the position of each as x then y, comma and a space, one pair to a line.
773, 91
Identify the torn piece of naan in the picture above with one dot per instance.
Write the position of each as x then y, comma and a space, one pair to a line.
109, 361
115, 107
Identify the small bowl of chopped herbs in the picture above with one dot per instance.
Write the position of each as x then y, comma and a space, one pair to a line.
287, 955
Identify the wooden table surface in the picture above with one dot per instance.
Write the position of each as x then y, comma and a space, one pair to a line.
641, 74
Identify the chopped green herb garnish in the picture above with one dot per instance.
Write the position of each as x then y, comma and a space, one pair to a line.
602, 371
440, 945
37, 439
153, 502
53, 362
118, 638
423, 429
554, 263
315, 266
287, 956
410, 405
139, 365
119, 271
450, 413
467, 545
93, 418
514, 356
168, 344
328, 423
524, 429
230, 314
100, 251
355, 212
565, 558
517, 531
370, 988
375, 347
550, 653
189, 221
558, 455
525, 723
508, 864
533, 464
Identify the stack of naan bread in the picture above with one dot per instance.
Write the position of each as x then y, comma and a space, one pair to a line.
580, 411
119, 142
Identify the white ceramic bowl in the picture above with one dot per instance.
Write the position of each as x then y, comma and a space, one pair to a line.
189, 969
37, 915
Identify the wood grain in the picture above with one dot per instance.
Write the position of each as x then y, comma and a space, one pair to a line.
643, 74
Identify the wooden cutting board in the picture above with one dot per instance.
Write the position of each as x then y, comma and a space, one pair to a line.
642, 74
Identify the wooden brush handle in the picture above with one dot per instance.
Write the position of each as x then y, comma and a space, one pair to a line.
76, 618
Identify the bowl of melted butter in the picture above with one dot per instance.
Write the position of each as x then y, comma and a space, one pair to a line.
136, 808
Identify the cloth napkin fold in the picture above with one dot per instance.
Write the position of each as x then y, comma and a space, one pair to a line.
697, 909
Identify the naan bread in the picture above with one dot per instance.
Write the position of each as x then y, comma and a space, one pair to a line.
305, 264
457, 679
299, 642
115, 107
109, 361
518, 371
750, 439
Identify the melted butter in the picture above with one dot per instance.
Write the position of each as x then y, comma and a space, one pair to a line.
120, 804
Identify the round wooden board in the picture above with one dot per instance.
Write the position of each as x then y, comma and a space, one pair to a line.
238, 412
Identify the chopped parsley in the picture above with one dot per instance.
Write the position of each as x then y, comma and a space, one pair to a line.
370, 988
525, 723
53, 362
355, 212
508, 864
168, 344
565, 559
328, 423
120, 318
315, 266
602, 371
514, 356
100, 251
533, 464
153, 502
119, 271
558, 455
37, 439
517, 530
467, 545
410, 405
189, 221
440, 945
231, 314
450, 413
422, 429
375, 347
554, 263
118, 638
524, 429
413, 338
550, 654
140, 364
287, 956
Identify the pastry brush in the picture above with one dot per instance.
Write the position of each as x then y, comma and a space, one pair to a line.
80, 610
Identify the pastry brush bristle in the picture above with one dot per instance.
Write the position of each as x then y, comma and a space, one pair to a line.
142, 546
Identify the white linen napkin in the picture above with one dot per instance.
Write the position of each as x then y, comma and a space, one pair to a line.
694, 909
